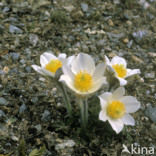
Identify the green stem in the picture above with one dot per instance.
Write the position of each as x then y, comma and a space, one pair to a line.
66, 98
84, 112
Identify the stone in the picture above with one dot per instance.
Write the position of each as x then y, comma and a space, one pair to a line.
22, 108
110, 22
150, 75
2, 114
3, 101
45, 115
15, 30
28, 69
66, 143
84, 7
38, 127
151, 113
15, 56
33, 39
125, 40
139, 35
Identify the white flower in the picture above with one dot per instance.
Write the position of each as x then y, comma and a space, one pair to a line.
49, 63
115, 107
82, 76
119, 67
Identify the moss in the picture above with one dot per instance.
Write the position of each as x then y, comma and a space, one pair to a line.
59, 17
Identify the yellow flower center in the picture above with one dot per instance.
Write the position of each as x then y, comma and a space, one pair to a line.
120, 70
115, 109
83, 81
53, 65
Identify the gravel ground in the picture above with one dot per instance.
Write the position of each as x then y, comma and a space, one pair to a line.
32, 112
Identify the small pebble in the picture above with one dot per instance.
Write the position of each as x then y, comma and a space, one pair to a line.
15, 30
110, 22
3, 101
125, 40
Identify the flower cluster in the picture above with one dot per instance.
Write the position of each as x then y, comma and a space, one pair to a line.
83, 77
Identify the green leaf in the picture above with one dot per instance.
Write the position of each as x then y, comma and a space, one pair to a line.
21, 148
38, 152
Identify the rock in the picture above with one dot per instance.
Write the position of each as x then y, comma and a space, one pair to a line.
14, 138
137, 59
150, 75
45, 115
129, 44
139, 35
2, 114
6, 69
15, 56
28, 69
125, 40
34, 100
151, 113
22, 61
85, 48
66, 143
38, 127
110, 22
116, 1
33, 39
115, 37
152, 54
84, 7
65, 148
69, 8
101, 43
22, 108
3, 102
15, 30
6, 9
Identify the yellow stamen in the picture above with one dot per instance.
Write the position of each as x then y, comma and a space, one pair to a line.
53, 65
120, 70
83, 81
116, 109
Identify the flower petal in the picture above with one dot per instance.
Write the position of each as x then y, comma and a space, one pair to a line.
131, 103
62, 57
46, 57
103, 116
122, 82
69, 82
83, 62
118, 60
117, 125
131, 72
42, 71
98, 84
103, 103
107, 96
48, 73
67, 71
38, 69
118, 93
99, 71
128, 120
70, 60
107, 60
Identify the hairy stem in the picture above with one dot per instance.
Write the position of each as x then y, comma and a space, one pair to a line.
65, 97
84, 112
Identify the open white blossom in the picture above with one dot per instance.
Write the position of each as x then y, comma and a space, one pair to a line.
115, 107
82, 76
119, 67
50, 64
